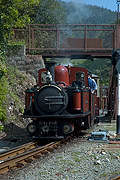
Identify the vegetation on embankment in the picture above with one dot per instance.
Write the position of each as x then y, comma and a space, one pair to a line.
3, 87
12, 90
8, 92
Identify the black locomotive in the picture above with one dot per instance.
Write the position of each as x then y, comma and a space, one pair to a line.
61, 102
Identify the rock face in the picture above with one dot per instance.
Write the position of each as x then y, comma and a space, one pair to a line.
29, 64
22, 74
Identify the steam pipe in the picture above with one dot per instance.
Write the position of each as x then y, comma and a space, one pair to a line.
118, 9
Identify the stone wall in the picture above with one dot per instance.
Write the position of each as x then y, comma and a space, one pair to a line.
29, 64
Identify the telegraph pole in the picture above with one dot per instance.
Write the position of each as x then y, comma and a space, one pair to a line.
118, 10
118, 70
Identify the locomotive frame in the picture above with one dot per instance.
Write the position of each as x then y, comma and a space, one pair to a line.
61, 102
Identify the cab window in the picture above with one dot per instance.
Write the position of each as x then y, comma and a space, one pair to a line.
43, 77
80, 76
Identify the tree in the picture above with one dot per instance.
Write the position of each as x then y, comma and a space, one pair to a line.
15, 13
50, 12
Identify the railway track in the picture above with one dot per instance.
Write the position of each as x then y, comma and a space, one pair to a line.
116, 178
21, 155
24, 154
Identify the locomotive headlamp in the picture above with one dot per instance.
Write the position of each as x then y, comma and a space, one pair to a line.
31, 128
82, 75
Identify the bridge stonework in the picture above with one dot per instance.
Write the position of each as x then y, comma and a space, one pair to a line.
26, 63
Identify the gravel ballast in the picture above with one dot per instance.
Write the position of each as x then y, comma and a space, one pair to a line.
77, 160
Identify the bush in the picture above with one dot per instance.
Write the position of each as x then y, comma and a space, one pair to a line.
3, 87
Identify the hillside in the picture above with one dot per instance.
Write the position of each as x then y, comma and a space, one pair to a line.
77, 13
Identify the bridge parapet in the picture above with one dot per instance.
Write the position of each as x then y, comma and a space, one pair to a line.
73, 40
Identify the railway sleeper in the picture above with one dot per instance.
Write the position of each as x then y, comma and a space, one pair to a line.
45, 152
29, 160
37, 156
50, 149
23, 162
4, 170
20, 165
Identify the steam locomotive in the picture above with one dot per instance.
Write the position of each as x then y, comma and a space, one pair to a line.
61, 102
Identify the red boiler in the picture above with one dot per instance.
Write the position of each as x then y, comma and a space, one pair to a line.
61, 74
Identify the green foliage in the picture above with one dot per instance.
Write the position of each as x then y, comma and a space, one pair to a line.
1, 127
3, 93
50, 12
9, 92
13, 49
20, 13
14, 13
15, 83
100, 67
3, 87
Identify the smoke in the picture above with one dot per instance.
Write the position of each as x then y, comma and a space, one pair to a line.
77, 12
63, 61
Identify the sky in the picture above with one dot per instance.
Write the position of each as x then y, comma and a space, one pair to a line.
109, 4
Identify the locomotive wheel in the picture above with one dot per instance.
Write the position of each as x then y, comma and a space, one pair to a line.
31, 128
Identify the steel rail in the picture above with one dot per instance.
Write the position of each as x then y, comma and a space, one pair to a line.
28, 152
116, 178
20, 159
17, 150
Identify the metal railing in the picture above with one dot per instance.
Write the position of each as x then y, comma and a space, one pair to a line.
69, 37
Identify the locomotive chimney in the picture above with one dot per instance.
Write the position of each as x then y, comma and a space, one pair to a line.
50, 66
